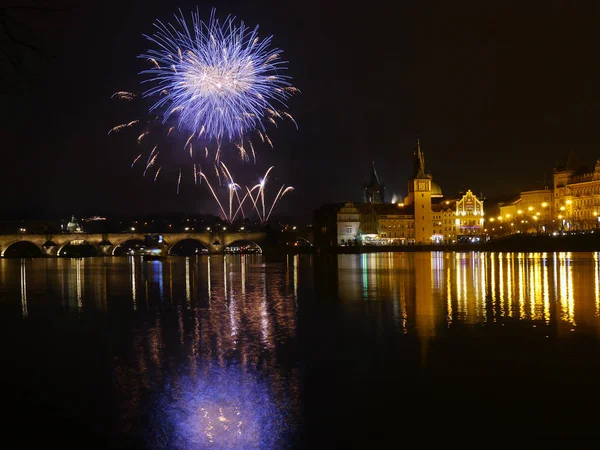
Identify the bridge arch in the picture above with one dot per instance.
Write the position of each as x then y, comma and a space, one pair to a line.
301, 242
243, 246
126, 244
87, 247
22, 242
188, 246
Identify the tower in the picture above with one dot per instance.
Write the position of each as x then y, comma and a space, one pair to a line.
375, 188
419, 195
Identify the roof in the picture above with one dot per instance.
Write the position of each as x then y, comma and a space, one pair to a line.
385, 209
374, 181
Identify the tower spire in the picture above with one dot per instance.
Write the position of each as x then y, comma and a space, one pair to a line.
419, 161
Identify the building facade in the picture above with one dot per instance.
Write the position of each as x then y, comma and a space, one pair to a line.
572, 203
419, 197
424, 217
469, 222
348, 224
576, 196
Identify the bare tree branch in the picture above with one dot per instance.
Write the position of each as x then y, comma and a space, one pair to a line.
18, 41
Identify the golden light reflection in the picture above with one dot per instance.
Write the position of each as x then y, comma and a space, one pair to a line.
24, 311
513, 268
567, 303
188, 294
503, 300
243, 265
596, 284
79, 290
522, 283
461, 306
491, 285
448, 297
546, 285
208, 278
424, 302
133, 282
296, 263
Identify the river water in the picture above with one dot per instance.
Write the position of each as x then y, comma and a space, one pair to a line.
375, 351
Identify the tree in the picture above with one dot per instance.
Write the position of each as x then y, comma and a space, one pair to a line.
18, 42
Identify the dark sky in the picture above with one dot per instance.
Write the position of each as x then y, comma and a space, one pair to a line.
497, 92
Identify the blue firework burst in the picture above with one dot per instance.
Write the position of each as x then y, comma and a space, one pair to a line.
216, 80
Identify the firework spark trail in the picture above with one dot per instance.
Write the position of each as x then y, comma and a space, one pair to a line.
254, 199
257, 200
150, 163
123, 125
153, 61
142, 136
252, 150
241, 205
122, 95
289, 116
188, 141
117, 128
151, 153
232, 186
268, 140
157, 172
279, 196
136, 159
213, 193
261, 192
223, 81
179, 181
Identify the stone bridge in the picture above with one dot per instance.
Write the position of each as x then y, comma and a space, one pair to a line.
106, 243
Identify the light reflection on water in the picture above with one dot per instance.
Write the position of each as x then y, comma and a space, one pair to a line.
198, 345
197, 341
476, 288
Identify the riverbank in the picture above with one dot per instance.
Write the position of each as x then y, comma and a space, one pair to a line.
515, 243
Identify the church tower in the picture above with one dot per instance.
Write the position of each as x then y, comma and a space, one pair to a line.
375, 188
419, 195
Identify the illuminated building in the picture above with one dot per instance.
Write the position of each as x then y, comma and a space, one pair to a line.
419, 196
348, 223
576, 195
572, 203
424, 217
469, 218
387, 223
73, 226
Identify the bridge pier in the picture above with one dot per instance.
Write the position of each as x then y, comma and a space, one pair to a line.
215, 243
49, 250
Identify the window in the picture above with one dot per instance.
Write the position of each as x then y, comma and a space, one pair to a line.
348, 229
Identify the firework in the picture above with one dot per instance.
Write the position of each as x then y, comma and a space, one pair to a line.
215, 83
219, 77
256, 195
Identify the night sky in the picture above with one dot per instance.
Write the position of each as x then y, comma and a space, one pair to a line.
497, 92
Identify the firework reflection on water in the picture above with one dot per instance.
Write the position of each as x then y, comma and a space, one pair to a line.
220, 408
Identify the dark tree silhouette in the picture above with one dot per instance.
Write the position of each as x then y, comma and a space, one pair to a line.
20, 41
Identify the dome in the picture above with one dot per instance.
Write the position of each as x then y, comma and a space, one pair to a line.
436, 190
73, 226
